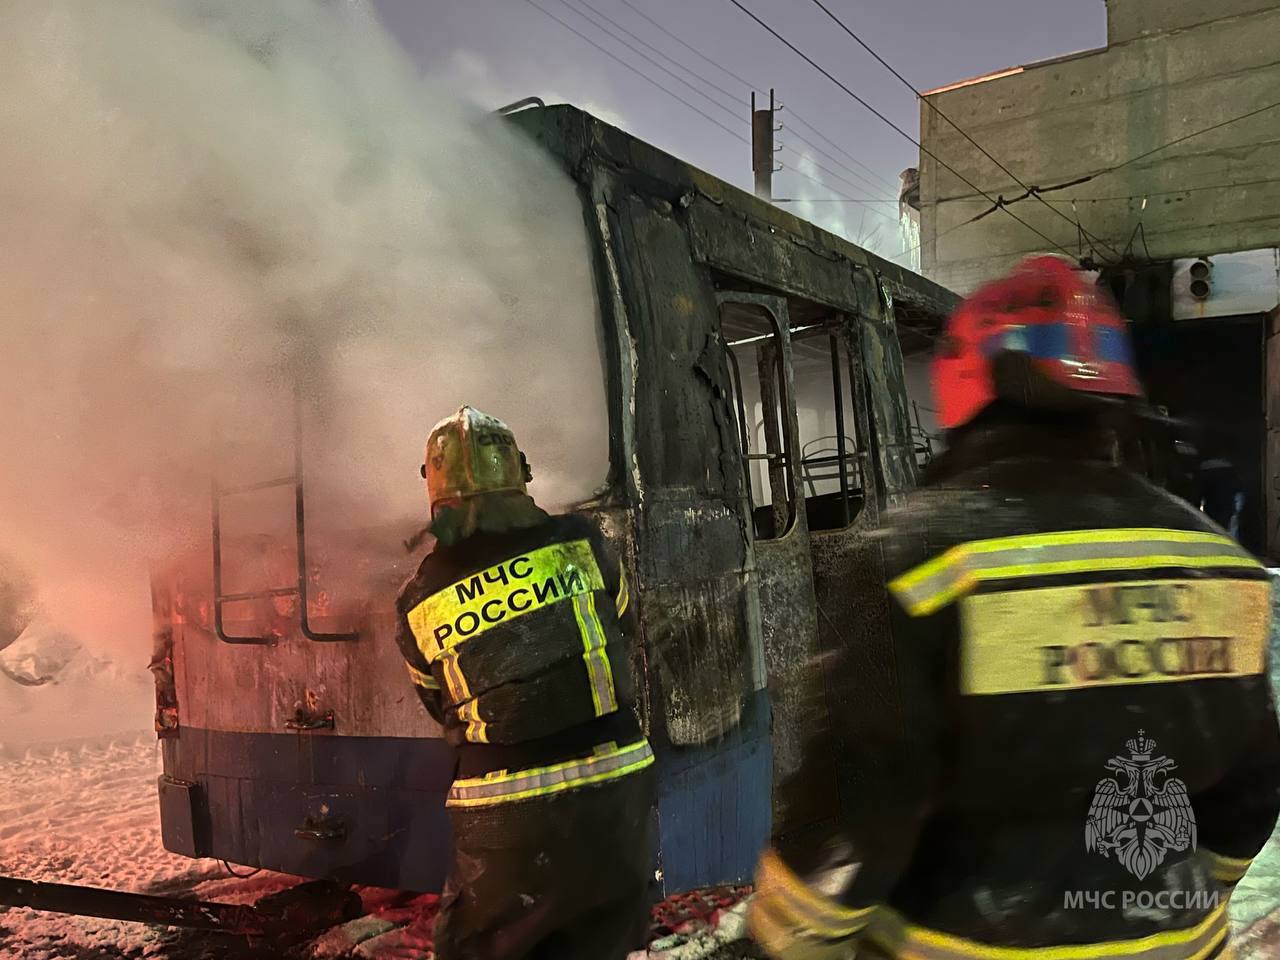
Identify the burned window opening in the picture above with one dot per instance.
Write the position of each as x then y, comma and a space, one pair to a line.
762, 406
832, 462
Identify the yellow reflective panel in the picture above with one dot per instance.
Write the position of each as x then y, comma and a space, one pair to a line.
1105, 634
507, 590
424, 680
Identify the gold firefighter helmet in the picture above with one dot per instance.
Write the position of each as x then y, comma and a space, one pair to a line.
471, 453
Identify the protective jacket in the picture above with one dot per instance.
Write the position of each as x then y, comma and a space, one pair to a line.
1065, 747
515, 644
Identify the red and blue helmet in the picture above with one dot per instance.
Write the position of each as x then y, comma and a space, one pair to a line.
1067, 327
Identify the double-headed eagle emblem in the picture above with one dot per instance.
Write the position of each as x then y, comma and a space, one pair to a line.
1140, 821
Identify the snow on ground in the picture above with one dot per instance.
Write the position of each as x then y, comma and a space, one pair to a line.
86, 815
78, 805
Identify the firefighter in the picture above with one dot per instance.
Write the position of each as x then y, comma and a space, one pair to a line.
513, 632
1064, 746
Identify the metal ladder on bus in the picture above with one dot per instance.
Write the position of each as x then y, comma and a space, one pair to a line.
218, 493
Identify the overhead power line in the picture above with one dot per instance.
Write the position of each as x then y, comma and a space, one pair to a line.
891, 187
1036, 191
1184, 139
640, 73
823, 153
832, 200
573, 6
932, 106
831, 173
951, 229
1170, 193
942, 163
1146, 195
732, 97
696, 109
749, 85
736, 98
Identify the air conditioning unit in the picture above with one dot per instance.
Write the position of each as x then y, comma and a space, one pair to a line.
1201, 274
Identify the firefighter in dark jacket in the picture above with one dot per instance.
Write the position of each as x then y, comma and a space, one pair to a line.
512, 630
1065, 745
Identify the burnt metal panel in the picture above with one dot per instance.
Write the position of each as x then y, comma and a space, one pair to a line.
580, 141
853, 618
249, 795
734, 242
181, 817
692, 544
784, 580
681, 432
893, 447
789, 626
684, 487
711, 826
700, 667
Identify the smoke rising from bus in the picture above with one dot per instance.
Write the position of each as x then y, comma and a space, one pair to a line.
207, 206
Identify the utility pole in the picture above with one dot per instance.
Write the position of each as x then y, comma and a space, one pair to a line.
762, 149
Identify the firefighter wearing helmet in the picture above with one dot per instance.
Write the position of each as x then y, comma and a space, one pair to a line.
515, 631
1064, 745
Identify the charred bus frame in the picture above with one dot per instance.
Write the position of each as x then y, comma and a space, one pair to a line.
743, 517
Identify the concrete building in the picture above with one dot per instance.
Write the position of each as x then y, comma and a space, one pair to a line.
1163, 146
1170, 68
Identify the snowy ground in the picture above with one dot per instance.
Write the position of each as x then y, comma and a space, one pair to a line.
78, 805
87, 814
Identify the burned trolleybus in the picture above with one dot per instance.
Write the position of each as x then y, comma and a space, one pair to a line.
758, 428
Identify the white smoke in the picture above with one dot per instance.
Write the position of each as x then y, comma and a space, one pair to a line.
203, 204
869, 226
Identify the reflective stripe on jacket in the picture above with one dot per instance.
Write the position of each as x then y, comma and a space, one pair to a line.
909, 942
609, 762
1060, 742
959, 570
794, 921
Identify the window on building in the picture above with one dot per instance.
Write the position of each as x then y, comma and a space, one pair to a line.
761, 404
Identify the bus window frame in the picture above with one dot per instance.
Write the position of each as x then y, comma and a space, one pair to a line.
776, 398
847, 397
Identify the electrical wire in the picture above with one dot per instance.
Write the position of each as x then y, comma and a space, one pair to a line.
1170, 193
1085, 178
573, 5
942, 163
831, 173
747, 83
833, 200
932, 106
1189, 136
951, 229
696, 109
693, 73
822, 153
893, 187
640, 73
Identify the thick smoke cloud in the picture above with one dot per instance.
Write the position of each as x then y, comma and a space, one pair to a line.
206, 204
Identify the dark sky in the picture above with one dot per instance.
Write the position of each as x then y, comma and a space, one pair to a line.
501, 50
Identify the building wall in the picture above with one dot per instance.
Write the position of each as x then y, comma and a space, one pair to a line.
1171, 68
